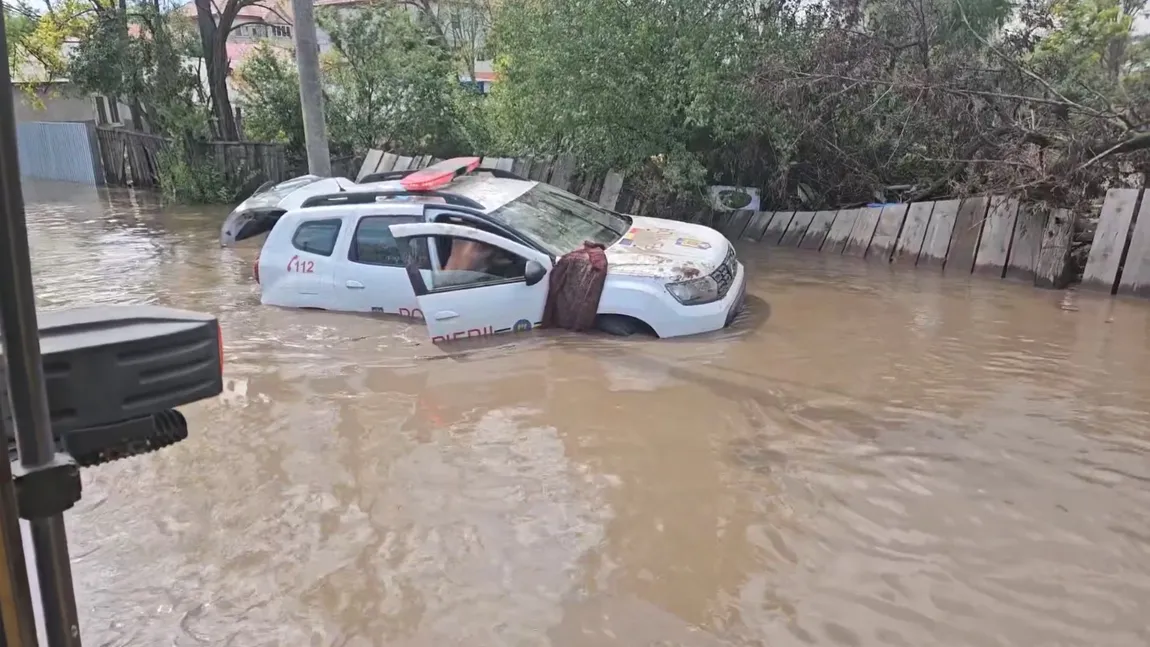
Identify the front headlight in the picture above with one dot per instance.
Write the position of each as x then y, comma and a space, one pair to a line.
695, 291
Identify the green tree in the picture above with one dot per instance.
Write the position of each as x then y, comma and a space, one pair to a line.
619, 83
148, 67
932, 98
390, 83
460, 25
269, 91
36, 39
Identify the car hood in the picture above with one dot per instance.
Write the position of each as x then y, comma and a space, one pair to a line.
667, 249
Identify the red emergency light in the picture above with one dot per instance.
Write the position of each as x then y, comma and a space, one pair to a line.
439, 175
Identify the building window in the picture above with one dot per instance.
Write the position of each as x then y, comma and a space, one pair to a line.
253, 30
281, 31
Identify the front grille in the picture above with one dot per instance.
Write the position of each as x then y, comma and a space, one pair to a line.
724, 275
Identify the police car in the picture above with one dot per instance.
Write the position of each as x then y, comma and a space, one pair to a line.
468, 250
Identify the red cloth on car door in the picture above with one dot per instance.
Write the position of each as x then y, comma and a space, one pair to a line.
576, 283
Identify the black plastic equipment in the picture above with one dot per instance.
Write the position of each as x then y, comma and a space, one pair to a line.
109, 372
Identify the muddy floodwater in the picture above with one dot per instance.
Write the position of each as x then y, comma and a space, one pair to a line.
867, 457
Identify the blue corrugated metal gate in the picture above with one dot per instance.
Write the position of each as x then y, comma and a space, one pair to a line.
59, 150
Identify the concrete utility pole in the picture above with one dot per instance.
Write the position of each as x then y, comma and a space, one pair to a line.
310, 89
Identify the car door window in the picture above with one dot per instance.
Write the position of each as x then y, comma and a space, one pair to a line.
471, 263
317, 236
373, 243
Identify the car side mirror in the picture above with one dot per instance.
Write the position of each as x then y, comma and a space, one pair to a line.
534, 272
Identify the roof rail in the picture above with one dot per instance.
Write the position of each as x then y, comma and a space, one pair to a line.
388, 176
385, 176
371, 197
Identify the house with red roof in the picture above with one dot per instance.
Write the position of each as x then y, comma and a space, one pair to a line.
270, 21
273, 22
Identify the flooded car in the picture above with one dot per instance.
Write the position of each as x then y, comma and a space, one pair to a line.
469, 253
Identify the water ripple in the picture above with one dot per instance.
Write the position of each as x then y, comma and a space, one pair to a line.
869, 456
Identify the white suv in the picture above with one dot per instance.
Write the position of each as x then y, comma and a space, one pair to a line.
386, 245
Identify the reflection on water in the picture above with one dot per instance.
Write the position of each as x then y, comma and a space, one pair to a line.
870, 457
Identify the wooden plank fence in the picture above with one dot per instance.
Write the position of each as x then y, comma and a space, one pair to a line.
130, 158
992, 236
561, 171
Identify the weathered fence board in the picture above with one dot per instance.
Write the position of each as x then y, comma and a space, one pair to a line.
130, 158
562, 171
1054, 257
522, 166
609, 194
862, 232
387, 163
797, 228
937, 241
249, 161
404, 163
1101, 271
994, 248
504, 163
757, 225
1027, 242
886, 233
840, 231
964, 239
370, 163
818, 229
913, 233
777, 227
541, 170
112, 152
735, 222
1135, 277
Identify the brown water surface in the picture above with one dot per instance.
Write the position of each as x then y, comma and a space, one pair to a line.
868, 457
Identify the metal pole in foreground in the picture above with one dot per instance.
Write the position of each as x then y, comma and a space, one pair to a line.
310, 89
29, 401
17, 617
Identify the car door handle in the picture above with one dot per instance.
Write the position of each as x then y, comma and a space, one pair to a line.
354, 285
445, 314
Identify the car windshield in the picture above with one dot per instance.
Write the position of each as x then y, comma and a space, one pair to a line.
561, 222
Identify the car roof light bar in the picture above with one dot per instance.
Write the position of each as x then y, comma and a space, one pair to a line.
439, 175
388, 176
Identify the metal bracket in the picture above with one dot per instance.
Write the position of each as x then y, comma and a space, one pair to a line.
48, 489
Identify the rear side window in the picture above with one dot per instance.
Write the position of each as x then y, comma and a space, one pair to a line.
373, 243
317, 236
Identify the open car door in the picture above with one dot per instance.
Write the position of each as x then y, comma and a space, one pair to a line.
479, 284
